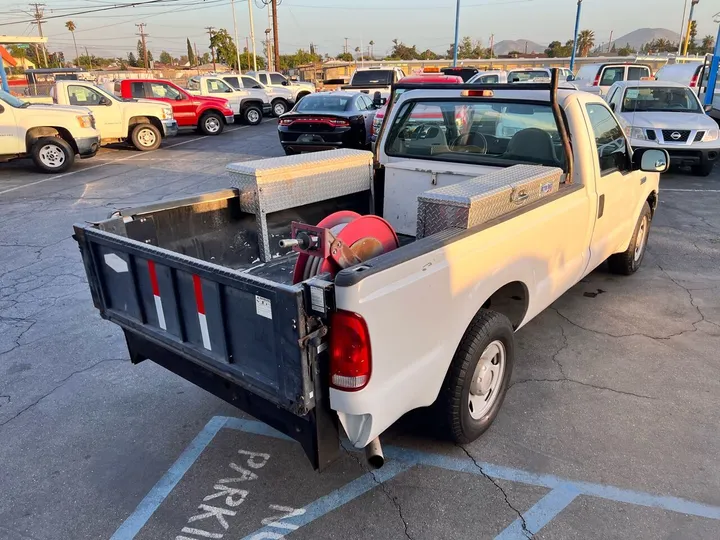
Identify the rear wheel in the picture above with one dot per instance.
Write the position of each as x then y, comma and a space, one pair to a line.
629, 261
211, 123
252, 115
279, 107
146, 137
52, 154
704, 169
478, 378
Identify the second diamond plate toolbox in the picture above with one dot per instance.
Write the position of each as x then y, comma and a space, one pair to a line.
274, 184
478, 200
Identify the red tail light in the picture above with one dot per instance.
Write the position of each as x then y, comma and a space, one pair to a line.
334, 122
693, 81
597, 80
350, 358
285, 122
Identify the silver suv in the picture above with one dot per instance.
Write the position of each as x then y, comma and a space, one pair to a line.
281, 99
274, 79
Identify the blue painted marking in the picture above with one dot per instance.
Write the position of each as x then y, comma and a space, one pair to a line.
254, 427
540, 514
339, 497
137, 520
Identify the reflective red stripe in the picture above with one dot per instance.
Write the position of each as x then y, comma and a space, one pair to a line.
153, 278
198, 294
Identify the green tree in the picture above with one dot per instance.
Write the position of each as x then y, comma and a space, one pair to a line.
372, 52
692, 44
141, 55
71, 26
707, 45
166, 57
400, 51
131, 60
347, 57
205, 58
585, 42
225, 50
557, 50
627, 50
469, 49
190, 53
427, 54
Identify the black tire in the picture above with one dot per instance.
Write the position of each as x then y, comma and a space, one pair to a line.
290, 152
629, 261
279, 107
52, 155
211, 123
252, 115
487, 328
704, 169
146, 137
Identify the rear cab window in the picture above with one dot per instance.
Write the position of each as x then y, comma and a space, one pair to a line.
637, 73
488, 132
611, 75
137, 90
232, 81
373, 76
587, 73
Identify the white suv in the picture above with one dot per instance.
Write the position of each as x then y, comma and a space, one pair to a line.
665, 114
274, 79
281, 98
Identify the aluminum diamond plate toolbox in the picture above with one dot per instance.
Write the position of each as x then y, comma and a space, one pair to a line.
274, 184
478, 200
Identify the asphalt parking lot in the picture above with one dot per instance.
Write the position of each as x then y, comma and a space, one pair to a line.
609, 429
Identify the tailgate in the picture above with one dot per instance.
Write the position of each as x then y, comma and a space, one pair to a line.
246, 339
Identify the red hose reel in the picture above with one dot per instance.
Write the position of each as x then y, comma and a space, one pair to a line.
340, 240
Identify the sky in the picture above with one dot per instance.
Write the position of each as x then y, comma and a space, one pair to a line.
424, 23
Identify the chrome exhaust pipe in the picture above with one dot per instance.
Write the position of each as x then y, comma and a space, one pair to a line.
374, 453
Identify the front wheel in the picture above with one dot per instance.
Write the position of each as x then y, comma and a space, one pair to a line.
252, 115
279, 107
146, 137
478, 378
704, 169
629, 261
211, 123
52, 155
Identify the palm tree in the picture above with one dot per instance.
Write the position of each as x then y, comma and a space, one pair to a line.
586, 41
357, 50
71, 26
372, 43
707, 45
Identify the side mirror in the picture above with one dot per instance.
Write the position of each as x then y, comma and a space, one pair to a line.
285, 83
570, 78
612, 107
258, 87
651, 160
229, 90
105, 101
180, 97
377, 99
707, 108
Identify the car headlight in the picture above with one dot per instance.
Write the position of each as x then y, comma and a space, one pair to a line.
711, 135
636, 133
85, 121
167, 114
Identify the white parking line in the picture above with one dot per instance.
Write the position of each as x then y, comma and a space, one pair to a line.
692, 190
57, 177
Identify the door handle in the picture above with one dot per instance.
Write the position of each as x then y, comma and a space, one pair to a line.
601, 206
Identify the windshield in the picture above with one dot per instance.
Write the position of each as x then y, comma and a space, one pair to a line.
660, 99
320, 103
373, 76
481, 132
12, 100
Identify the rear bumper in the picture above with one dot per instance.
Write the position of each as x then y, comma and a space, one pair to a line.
316, 141
689, 156
88, 146
170, 128
230, 119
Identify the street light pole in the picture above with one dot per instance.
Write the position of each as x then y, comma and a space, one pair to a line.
682, 28
575, 36
237, 43
457, 33
685, 40
252, 35
714, 67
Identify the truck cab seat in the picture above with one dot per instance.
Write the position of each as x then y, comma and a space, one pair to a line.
532, 144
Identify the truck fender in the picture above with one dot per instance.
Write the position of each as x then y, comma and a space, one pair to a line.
35, 133
652, 200
135, 120
245, 102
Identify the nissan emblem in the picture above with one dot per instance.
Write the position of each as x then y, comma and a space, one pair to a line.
675, 135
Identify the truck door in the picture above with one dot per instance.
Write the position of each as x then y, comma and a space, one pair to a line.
107, 111
10, 136
616, 183
183, 107
219, 88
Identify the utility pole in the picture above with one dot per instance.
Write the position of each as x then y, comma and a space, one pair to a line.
247, 51
575, 35
237, 43
610, 42
682, 28
38, 15
211, 30
268, 50
457, 33
252, 35
686, 40
276, 38
492, 44
89, 59
346, 45
143, 35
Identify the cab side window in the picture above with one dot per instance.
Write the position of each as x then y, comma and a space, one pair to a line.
233, 81
83, 96
263, 78
249, 82
609, 140
216, 86
137, 90
277, 79
637, 73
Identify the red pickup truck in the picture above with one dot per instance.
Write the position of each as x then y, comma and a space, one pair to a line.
208, 114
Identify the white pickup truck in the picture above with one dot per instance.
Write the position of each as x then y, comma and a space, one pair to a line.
374, 79
50, 136
410, 289
248, 103
140, 122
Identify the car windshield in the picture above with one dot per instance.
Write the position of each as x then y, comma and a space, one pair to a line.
660, 99
12, 100
489, 132
323, 103
373, 76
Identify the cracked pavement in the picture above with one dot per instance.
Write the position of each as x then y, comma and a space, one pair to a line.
617, 383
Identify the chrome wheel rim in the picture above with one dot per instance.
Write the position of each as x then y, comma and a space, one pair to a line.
253, 116
280, 109
146, 137
641, 238
52, 156
486, 380
212, 124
